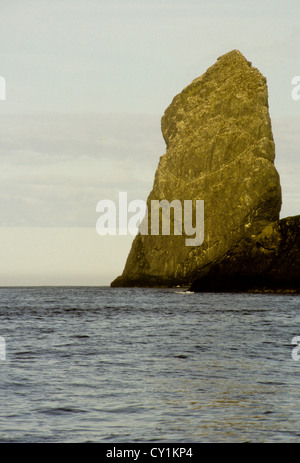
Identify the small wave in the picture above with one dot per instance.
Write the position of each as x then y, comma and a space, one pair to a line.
184, 292
25, 355
61, 410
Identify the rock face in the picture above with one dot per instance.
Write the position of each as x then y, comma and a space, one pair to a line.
268, 262
220, 149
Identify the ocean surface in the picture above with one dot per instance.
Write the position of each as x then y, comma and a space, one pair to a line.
88, 364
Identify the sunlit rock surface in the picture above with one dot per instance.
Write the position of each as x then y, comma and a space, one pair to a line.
220, 149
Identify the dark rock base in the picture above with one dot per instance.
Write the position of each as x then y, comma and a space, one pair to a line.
269, 262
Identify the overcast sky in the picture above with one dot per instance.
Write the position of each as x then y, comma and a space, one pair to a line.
86, 85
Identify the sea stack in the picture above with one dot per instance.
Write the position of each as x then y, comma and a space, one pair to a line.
220, 149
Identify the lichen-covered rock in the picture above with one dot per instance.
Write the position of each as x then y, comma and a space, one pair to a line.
220, 149
268, 262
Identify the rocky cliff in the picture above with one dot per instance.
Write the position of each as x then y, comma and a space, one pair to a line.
220, 149
267, 262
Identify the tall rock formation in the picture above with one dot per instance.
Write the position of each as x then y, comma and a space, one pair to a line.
220, 149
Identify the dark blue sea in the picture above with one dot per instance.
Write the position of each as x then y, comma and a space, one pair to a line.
100, 364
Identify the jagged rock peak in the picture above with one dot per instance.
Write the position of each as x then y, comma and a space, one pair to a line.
220, 149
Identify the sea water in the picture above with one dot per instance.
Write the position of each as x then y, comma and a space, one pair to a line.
100, 364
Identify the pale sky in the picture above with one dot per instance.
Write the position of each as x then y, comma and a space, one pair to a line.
87, 83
